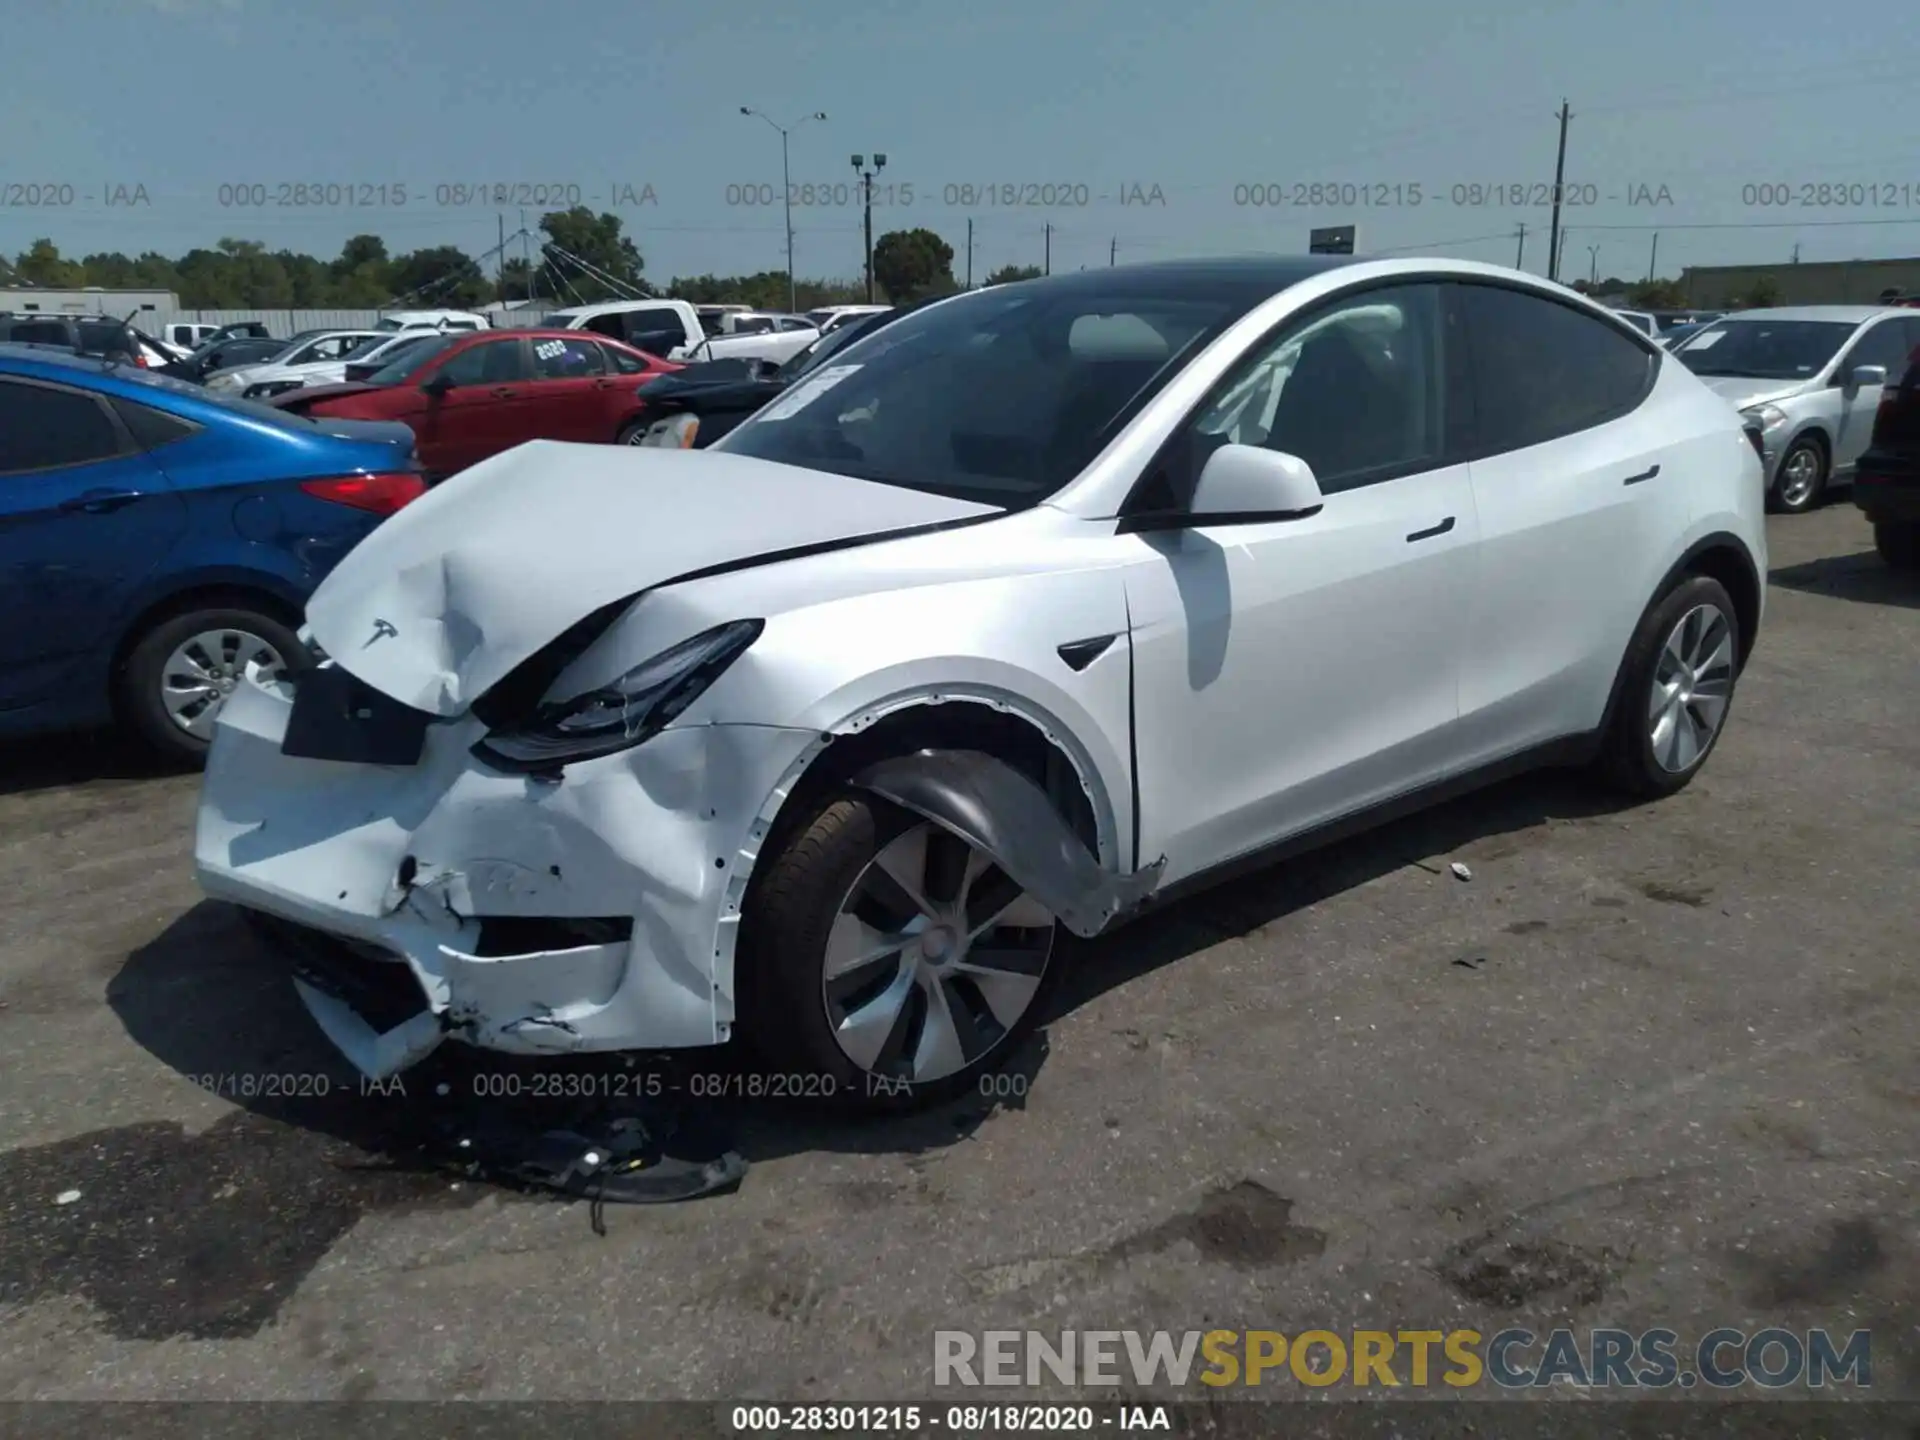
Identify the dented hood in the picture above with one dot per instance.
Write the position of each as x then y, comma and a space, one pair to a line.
445, 598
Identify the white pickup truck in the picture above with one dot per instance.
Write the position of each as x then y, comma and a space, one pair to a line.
672, 330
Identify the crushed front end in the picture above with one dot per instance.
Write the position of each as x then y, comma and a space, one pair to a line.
423, 890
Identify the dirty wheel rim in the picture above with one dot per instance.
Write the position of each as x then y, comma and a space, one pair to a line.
1692, 684
637, 435
202, 671
1799, 474
934, 956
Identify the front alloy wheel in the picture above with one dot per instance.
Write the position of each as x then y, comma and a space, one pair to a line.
934, 957
1692, 683
1803, 474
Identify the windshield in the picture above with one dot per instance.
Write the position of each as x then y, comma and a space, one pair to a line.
1764, 349
1001, 396
410, 360
389, 352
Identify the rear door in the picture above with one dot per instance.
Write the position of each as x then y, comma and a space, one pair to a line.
1577, 502
570, 391
85, 518
485, 411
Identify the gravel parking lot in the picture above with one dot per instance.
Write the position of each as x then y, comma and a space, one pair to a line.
1647, 1067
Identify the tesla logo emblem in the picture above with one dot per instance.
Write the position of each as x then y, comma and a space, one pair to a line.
381, 631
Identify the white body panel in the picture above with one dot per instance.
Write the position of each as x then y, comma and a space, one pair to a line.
1257, 678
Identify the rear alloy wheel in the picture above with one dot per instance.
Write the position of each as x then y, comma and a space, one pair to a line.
1898, 542
1802, 477
181, 672
634, 434
1676, 690
890, 962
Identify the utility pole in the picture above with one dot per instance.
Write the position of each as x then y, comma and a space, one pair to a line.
1049, 252
1113, 252
1559, 254
866, 192
1520, 253
526, 250
1654, 257
1593, 264
969, 252
786, 184
1796, 253
1559, 178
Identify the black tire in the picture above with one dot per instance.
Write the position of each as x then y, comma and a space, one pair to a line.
1780, 503
1627, 762
630, 435
791, 906
1898, 542
140, 681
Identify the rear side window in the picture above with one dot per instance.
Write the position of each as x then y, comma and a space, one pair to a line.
567, 359
38, 332
1542, 369
151, 428
45, 429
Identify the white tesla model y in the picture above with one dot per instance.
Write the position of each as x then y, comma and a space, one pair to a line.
1035, 607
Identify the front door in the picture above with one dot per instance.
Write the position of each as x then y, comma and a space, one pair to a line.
85, 517
1887, 344
1291, 672
483, 413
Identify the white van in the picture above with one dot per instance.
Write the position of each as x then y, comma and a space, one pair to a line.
433, 320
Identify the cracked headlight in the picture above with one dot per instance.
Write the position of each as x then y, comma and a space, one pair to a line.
625, 712
1770, 416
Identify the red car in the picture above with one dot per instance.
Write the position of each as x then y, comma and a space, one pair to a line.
471, 394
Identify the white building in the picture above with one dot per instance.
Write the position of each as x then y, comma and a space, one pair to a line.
32, 300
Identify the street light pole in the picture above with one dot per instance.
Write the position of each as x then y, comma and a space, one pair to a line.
786, 184
866, 194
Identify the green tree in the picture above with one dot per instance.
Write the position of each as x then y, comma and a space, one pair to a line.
514, 274
444, 275
1658, 295
910, 264
596, 240
40, 264
1007, 274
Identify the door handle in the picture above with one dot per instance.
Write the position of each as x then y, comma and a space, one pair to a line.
1442, 528
1643, 475
101, 502
501, 392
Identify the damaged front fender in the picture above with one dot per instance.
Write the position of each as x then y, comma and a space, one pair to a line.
996, 809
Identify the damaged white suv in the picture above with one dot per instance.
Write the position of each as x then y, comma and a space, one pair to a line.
1037, 606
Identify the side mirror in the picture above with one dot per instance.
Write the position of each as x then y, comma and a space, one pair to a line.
1247, 482
1241, 484
437, 385
1865, 375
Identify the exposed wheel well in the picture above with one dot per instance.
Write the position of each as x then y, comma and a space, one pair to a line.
205, 597
948, 724
1733, 570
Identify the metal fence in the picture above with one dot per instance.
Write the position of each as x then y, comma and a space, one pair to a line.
289, 322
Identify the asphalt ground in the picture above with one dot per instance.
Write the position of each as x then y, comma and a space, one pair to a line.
1647, 1067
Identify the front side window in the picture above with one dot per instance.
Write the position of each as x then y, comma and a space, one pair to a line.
1000, 396
496, 362
1542, 369
625, 362
1764, 349
1355, 391
47, 429
1885, 345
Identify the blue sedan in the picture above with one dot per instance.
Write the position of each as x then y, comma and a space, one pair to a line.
157, 538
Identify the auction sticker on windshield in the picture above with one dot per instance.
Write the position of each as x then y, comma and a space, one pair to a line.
806, 392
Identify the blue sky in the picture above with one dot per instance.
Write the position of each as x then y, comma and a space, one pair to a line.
1094, 98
